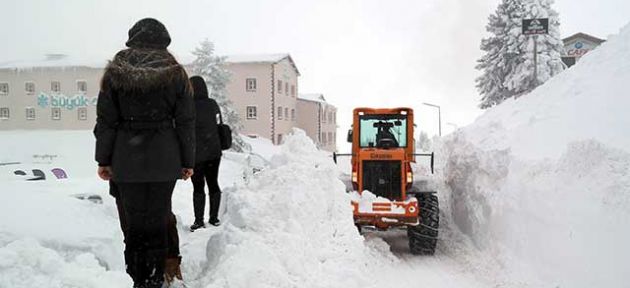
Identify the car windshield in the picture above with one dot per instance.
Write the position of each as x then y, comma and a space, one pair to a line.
383, 131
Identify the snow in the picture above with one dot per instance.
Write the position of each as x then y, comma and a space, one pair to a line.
533, 194
366, 199
541, 182
255, 58
55, 60
314, 97
288, 225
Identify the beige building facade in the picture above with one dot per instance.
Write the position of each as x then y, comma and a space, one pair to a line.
61, 93
264, 91
48, 96
318, 119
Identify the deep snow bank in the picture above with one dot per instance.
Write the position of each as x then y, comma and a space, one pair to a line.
542, 182
290, 226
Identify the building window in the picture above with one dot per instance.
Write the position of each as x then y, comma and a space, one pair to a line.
324, 116
279, 113
286, 87
4, 88
55, 113
30, 113
323, 138
293, 114
250, 84
82, 86
4, 113
55, 86
251, 112
330, 138
286, 113
293, 90
29, 87
330, 117
82, 113
335, 117
279, 86
279, 139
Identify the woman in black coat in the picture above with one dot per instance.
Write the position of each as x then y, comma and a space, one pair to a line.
208, 155
145, 141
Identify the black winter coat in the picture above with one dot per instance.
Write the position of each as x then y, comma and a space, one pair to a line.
145, 117
207, 112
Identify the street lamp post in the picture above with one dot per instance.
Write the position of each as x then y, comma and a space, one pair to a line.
439, 117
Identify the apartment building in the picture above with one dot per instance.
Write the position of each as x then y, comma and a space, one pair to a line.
319, 119
264, 91
60, 92
54, 93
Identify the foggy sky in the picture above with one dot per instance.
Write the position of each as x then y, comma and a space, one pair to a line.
357, 53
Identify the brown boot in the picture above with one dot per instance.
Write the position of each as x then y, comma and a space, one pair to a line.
172, 269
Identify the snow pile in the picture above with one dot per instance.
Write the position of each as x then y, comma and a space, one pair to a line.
290, 226
25, 263
48, 238
366, 200
541, 182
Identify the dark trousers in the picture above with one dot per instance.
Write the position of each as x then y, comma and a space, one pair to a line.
146, 207
208, 170
171, 230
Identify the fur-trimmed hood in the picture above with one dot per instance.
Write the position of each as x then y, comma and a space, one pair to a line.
143, 70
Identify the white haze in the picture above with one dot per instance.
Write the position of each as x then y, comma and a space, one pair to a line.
357, 53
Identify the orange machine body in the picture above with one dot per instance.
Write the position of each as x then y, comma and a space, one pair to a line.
397, 209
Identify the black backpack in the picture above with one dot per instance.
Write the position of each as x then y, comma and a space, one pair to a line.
225, 134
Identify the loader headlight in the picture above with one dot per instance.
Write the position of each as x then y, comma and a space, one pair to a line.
412, 209
355, 177
409, 177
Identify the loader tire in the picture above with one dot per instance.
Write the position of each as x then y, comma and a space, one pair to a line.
423, 238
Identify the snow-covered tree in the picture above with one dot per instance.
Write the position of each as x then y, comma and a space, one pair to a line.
508, 64
424, 142
212, 69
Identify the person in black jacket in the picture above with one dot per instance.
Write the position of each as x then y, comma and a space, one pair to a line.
208, 155
145, 141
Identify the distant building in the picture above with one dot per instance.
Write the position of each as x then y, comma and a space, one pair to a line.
577, 45
60, 92
319, 119
57, 92
264, 91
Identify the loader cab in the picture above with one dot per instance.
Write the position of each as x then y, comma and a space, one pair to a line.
383, 131
382, 147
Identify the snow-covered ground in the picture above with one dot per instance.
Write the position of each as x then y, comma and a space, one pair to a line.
289, 225
533, 194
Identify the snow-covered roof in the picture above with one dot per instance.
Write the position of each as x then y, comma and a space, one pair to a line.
261, 58
315, 97
54, 60
584, 36
256, 58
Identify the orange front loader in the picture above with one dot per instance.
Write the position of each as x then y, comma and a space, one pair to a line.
381, 183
